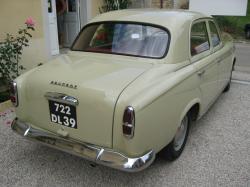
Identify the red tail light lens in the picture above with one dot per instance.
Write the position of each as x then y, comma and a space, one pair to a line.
128, 126
13, 93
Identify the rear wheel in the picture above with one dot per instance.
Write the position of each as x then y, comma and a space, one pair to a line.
227, 88
176, 146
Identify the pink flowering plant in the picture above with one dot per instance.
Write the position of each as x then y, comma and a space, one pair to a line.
11, 50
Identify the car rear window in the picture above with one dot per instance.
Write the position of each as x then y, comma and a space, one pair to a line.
123, 39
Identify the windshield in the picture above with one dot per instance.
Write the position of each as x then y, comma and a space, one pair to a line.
124, 39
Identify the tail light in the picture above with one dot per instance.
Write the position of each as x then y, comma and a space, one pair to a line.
128, 126
13, 93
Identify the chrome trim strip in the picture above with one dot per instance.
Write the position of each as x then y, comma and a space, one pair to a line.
99, 155
60, 97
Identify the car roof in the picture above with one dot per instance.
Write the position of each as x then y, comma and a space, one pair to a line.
163, 17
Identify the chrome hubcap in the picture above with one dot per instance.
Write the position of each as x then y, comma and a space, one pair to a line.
180, 134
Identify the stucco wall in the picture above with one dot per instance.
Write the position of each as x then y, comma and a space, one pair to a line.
184, 4
13, 14
96, 4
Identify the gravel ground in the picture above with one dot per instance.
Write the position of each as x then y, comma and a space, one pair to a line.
217, 154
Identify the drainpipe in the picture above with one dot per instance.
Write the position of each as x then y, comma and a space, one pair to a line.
161, 3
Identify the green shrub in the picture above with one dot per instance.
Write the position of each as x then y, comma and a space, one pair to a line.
10, 54
11, 50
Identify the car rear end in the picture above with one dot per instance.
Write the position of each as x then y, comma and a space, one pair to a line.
77, 116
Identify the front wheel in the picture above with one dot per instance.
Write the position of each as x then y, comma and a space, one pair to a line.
176, 146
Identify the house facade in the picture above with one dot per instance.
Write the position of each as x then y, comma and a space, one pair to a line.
44, 44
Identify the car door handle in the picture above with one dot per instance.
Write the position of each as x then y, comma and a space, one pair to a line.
200, 73
218, 60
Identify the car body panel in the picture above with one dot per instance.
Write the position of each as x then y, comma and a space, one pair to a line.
157, 127
99, 83
161, 91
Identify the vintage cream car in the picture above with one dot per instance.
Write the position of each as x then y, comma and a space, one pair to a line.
128, 88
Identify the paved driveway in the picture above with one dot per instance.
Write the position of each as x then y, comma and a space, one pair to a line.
242, 57
217, 154
242, 54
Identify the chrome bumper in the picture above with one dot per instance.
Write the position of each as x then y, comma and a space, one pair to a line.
99, 155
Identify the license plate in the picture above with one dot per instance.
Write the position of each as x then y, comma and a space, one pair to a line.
63, 114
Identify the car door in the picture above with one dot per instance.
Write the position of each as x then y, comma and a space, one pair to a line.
204, 63
223, 60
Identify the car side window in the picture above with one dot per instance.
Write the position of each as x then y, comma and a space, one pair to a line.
199, 38
214, 34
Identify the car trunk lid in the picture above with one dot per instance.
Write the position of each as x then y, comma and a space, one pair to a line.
95, 82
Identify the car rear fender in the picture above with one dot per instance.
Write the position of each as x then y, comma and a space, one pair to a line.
189, 107
156, 111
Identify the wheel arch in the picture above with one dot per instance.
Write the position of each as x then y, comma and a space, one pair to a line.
192, 109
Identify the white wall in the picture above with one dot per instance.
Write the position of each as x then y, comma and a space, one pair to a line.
220, 7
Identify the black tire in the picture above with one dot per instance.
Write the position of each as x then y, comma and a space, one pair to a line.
227, 88
170, 152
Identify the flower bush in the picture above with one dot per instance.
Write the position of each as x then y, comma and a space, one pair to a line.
11, 50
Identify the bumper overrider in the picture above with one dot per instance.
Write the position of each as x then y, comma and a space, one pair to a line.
99, 155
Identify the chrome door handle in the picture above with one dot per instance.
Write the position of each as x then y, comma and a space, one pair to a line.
200, 73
